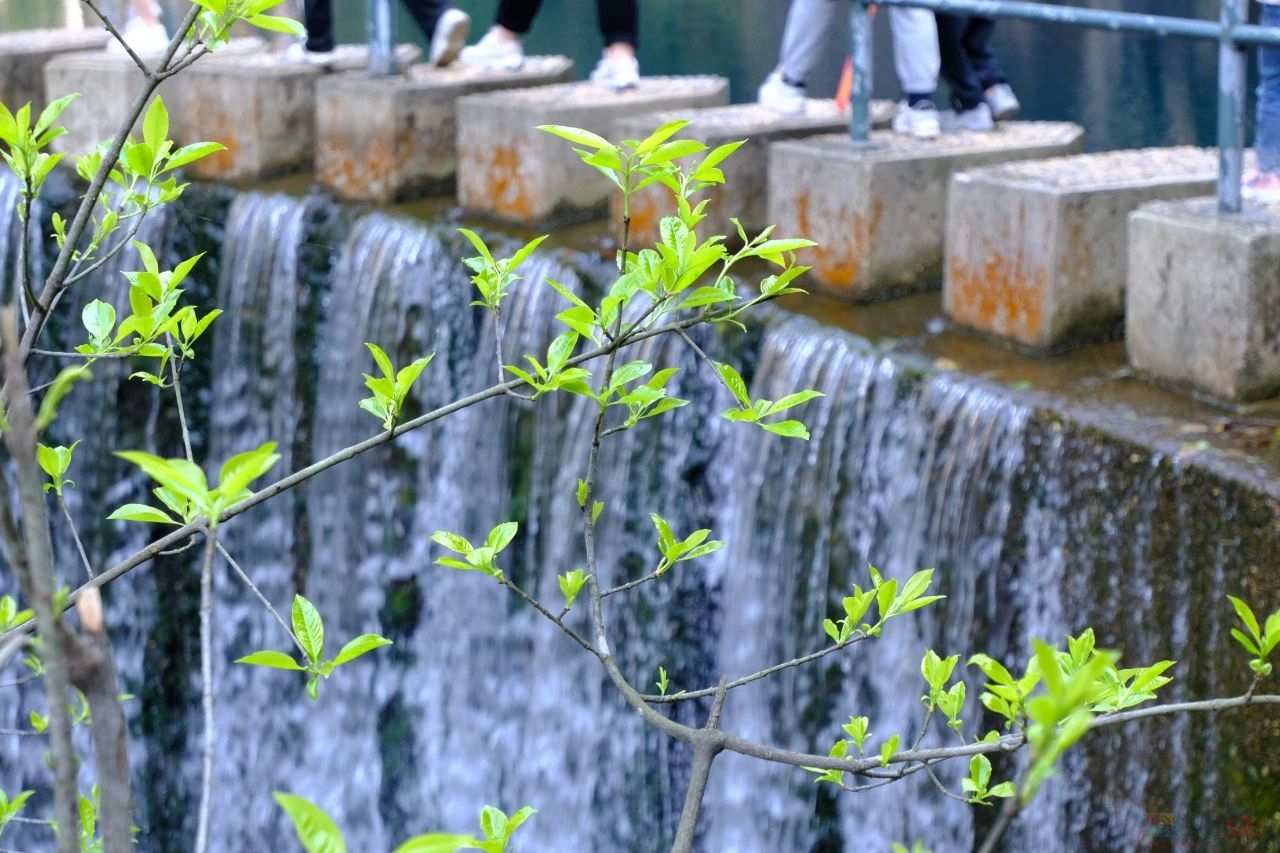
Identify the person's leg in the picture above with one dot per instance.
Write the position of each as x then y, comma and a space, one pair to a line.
804, 36
915, 51
957, 70
977, 45
426, 14
516, 16
618, 24
1266, 140
318, 19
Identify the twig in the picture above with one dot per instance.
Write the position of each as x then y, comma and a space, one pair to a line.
206, 679
942, 789
554, 619
755, 676
75, 535
1007, 813
35, 568
261, 598
77, 273
177, 396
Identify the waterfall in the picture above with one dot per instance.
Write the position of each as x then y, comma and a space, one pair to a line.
1035, 525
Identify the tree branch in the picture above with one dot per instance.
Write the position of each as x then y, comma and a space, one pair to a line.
206, 695
36, 577
746, 679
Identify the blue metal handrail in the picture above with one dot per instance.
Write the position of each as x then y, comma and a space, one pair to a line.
1231, 32
382, 37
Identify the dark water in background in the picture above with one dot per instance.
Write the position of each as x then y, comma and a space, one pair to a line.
1127, 90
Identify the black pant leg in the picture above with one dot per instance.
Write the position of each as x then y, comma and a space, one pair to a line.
426, 13
618, 21
517, 15
318, 19
957, 70
977, 44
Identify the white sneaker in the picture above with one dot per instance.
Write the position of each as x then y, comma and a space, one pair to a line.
494, 52
918, 122
1004, 104
145, 39
617, 71
297, 52
977, 119
780, 96
449, 38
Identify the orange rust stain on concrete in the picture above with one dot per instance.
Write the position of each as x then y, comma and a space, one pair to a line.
645, 215
837, 259
1004, 293
357, 169
505, 186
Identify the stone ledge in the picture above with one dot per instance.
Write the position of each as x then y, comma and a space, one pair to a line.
1203, 301
510, 171
1036, 250
389, 139
877, 211
24, 54
743, 195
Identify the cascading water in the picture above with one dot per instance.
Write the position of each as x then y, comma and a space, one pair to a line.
1034, 528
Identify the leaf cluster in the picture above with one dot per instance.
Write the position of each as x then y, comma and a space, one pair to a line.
308, 630
185, 491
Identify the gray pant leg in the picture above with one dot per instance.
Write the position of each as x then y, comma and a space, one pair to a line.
804, 36
915, 49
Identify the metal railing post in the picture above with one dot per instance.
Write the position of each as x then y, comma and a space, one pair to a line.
860, 97
1231, 106
382, 37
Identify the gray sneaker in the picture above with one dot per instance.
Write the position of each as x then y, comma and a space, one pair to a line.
1004, 104
918, 122
449, 38
977, 119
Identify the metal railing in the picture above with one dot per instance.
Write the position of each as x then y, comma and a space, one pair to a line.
1231, 31
382, 38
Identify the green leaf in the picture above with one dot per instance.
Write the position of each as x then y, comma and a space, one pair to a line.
309, 628
316, 830
500, 537
190, 153
359, 646
155, 124
452, 541
788, 429
277, 23
437, 842
576, 135
1246, 615
272, 659
141, 512
887, 750
734, 382
493, 823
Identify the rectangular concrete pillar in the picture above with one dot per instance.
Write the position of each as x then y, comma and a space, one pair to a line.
24, 54
742, 195
260, 107
508, 170
878, 212
1203, 305
108, 83
1037, 250
387, 139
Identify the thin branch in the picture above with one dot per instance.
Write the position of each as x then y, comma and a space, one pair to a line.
551, 617
1007, 814
746, 679
174, 370
261, 598
77, 273
75, 535
36, 578
942, 789
652, 576
206, 680
23, 732
56, 282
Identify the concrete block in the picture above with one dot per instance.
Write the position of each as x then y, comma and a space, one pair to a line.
1203, 304
260, 107
878, 212
387, 139
509, 170
108, 84
1036, 251
23, 56
743, 193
